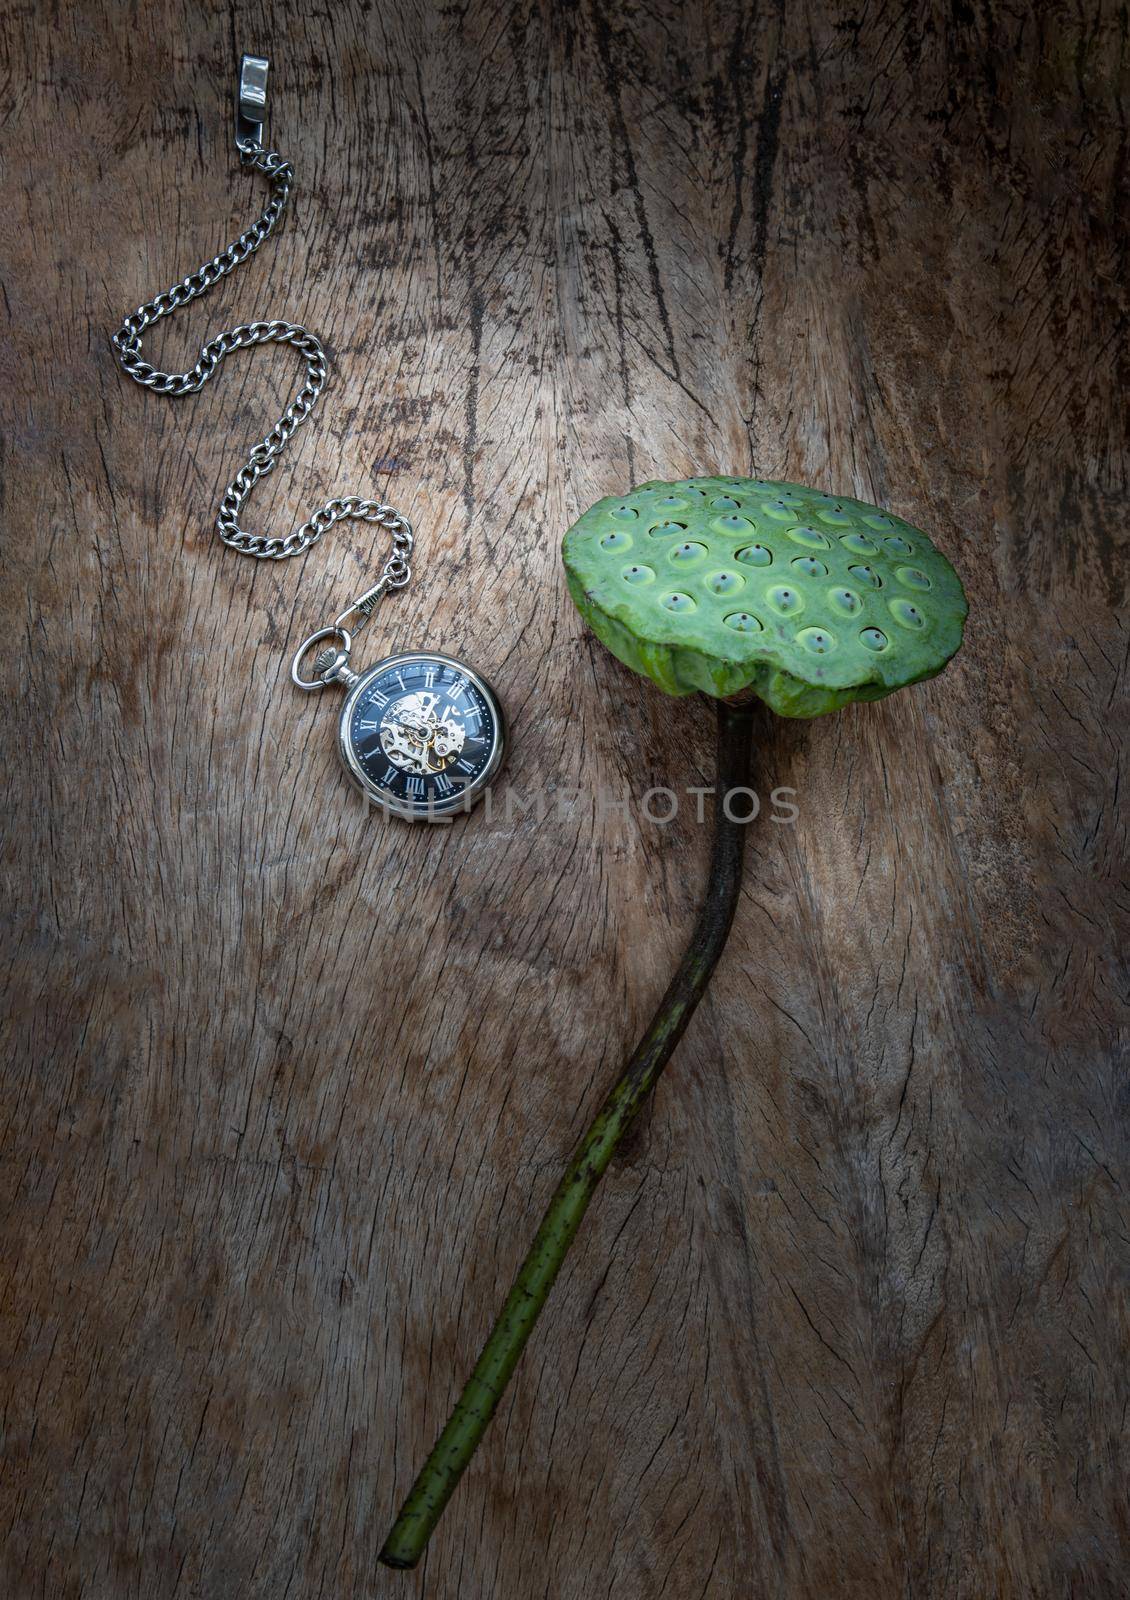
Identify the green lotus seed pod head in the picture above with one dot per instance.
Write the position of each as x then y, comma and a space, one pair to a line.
808, 599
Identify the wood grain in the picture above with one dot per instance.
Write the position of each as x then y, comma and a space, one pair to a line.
287, 1086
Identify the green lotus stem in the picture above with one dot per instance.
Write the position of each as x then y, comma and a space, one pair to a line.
476, 1405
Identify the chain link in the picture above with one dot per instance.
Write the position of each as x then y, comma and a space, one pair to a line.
262, 457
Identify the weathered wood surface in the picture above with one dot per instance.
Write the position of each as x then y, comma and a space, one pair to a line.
288, 1085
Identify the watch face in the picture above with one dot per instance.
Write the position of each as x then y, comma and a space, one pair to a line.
422, 735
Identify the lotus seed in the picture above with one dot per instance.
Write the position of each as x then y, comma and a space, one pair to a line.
859, 544
809, 566
616, 541
898, 547
867, 575
678, 602
742, 622
725, 582
816, 640
847, 601
625, 513
734, 524
909, 615
785, 599
810, 537
688, 552
638, 574
755, 555
779, 510
723, 502
913, 578
873, 639
664, 530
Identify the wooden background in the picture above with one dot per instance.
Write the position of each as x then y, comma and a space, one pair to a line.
288, 1085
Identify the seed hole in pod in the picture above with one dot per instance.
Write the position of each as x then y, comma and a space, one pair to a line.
784, 599
846, 600
867, 575
725, 582
873, 639
691, 491
859, 544
731, 524
667, 530
898, 547
624, 513
670, 502
616, 540
811, 538
755, 555
907, 614
818, 640
779, 510
637, 574
678, 602
689, 550
742, 622
835, 516
878, 520
725, 502
913, 577
809, 566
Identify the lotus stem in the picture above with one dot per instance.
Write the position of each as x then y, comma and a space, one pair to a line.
476, 1405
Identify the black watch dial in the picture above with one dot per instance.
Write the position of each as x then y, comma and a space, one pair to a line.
422, 734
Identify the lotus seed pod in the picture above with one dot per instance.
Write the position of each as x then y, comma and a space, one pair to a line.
808, 599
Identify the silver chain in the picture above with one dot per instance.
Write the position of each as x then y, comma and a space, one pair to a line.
262, 457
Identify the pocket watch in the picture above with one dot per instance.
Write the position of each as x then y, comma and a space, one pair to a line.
420, 734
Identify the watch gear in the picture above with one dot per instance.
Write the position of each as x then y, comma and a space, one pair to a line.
414, 737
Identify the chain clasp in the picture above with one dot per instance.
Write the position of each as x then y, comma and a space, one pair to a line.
251, 101
332, 665
364, 604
